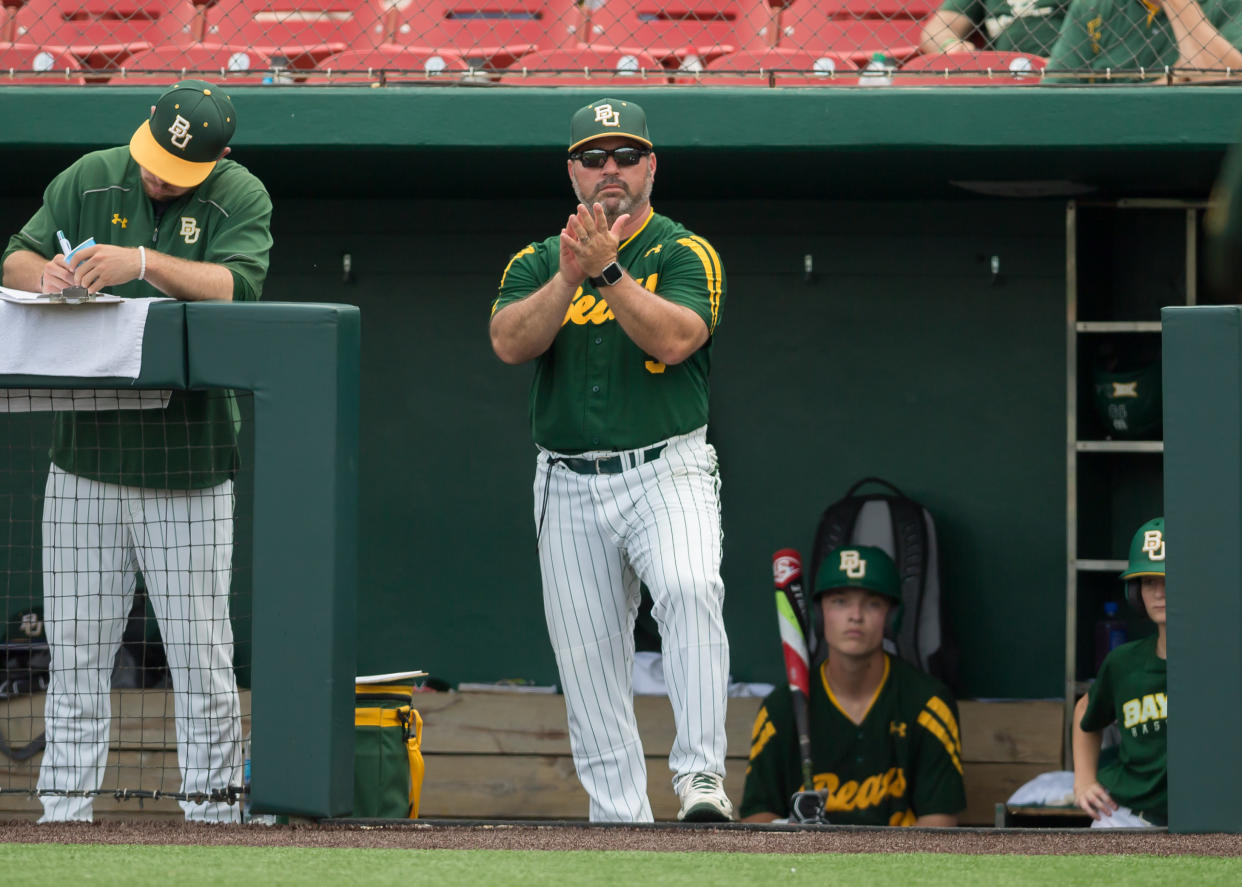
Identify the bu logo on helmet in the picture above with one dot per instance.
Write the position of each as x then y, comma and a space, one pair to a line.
852, 565
605, 115
1153, 545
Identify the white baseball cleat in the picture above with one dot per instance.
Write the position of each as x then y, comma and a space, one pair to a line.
703, 799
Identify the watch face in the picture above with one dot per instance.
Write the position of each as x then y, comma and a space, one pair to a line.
611, 274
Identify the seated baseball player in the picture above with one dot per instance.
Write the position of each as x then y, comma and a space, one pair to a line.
1131, 789
885, 744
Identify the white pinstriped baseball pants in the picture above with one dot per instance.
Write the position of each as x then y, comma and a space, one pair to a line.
94, 536
602, 535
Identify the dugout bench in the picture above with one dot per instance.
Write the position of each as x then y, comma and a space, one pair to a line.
506, 756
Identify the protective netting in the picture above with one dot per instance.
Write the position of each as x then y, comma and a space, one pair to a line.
626, 42
124, 590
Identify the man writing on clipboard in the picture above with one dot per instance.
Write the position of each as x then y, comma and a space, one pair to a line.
146, 490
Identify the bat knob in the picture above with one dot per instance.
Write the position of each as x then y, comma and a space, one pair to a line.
807, 808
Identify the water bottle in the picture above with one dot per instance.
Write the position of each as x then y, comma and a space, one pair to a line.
878, 72
1110, 633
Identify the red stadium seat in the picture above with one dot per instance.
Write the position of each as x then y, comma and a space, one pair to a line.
780, 67
680, 33
27, 64
391, 64
487, 33
971, 68
302, 31
847, 9
586, 66
812, 28
208, 61
103, 33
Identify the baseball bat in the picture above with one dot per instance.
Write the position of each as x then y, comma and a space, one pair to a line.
807, 806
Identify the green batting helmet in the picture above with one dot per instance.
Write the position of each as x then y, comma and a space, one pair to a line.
1126, 384
865, 567
1146, 559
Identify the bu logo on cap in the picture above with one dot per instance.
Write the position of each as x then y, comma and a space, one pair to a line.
853, 565
180, 130
1153, 545
605, 115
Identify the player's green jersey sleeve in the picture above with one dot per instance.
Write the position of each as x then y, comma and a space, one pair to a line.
241, 240
527, 271
936, 782
772, 772
692, 275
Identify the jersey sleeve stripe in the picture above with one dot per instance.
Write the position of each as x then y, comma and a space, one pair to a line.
715, 257
942, 711
517, 255
761, 733
713, 274
935, 728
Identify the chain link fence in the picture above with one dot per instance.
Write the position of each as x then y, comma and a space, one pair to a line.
628, 42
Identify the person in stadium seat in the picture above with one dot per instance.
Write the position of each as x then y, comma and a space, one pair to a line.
146, 489
1136, 37
1004, 25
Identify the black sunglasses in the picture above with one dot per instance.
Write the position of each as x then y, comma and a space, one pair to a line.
594, 158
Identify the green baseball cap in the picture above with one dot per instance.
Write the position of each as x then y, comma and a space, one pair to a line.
608, 117
1147, 551
859, 566
186, 133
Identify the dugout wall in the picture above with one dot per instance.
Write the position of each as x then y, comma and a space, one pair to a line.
901, 353
301, 364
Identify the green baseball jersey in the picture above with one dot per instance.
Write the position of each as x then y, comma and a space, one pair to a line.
1014, 25
903, 761
1132, 689
594, 389
1127, 35
224, 221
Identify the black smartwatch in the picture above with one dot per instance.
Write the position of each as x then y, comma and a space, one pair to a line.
610, 275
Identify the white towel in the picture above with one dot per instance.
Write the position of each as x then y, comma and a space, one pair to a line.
90, 339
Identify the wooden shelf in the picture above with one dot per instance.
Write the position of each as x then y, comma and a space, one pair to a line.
1120, 446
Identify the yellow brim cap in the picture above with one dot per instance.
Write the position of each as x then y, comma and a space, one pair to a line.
176, 171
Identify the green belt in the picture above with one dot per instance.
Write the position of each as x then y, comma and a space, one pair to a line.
611, 464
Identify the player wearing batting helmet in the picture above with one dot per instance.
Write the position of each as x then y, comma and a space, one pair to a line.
618, 312
885, 743
1130, 788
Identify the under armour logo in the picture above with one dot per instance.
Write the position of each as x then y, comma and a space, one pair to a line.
1125, 389
1153, 545
189, 229
608, 117
117, 220
897, 729
180, 130
853, 565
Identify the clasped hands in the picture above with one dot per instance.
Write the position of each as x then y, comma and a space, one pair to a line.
588, 243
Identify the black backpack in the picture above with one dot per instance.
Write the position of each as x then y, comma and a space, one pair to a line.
905, 530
